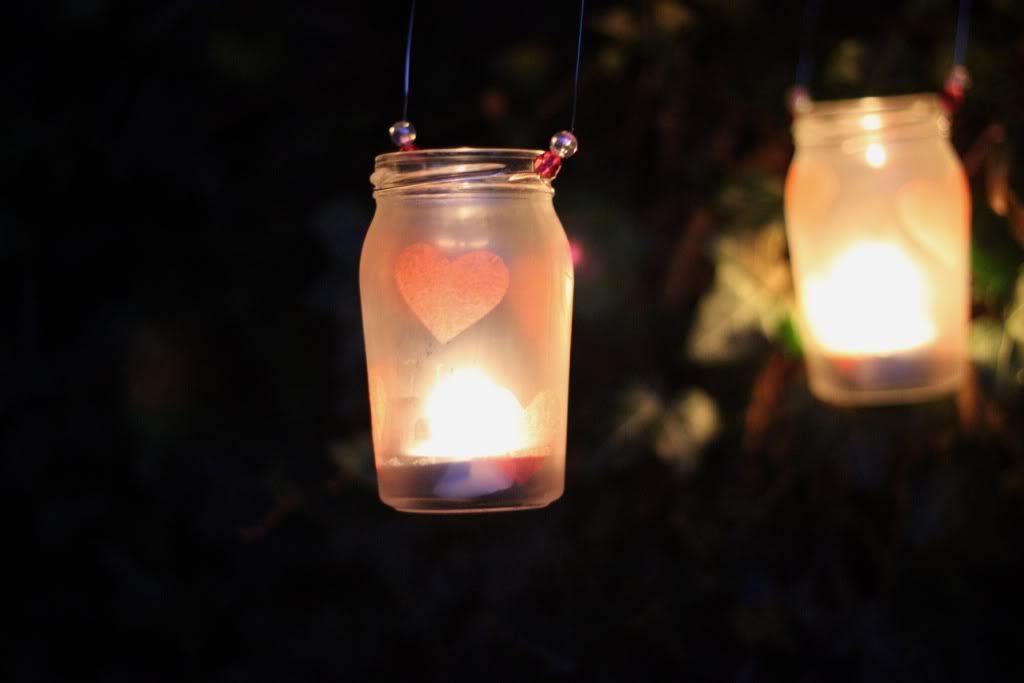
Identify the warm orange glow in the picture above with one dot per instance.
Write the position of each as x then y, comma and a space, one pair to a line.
871, 122
469, 416
873, 300
875, 155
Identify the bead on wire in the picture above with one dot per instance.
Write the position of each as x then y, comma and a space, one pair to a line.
403, 135
798, 99
563, 145
954, 88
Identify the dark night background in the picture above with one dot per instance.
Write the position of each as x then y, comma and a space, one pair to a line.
187, 477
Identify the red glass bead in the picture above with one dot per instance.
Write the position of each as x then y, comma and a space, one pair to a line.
408, 147
547, 165
951, 100
953, 90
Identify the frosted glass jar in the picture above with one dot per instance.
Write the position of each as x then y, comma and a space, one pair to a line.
466, 284
878, 222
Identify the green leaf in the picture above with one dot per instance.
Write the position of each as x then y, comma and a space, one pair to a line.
788, 336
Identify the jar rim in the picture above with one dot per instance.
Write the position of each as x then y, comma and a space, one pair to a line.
457, 169
456, 153
874, 104
829, 122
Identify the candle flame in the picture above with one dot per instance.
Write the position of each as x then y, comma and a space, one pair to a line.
469, 416
872, 301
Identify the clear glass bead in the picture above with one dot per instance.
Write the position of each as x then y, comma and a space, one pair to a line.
402, 133
564, 144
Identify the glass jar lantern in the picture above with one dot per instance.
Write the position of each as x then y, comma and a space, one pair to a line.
878, 223
466, 285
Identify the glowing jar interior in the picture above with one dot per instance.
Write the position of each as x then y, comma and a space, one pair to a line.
872, 300
466, 415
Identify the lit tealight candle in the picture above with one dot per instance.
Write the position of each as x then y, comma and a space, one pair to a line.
468, 416
472, 439
872, 301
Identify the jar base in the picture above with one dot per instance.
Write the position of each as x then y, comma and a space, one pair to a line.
428, 506
843, 396
484, 485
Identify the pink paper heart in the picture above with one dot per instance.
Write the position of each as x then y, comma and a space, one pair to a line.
449, 296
